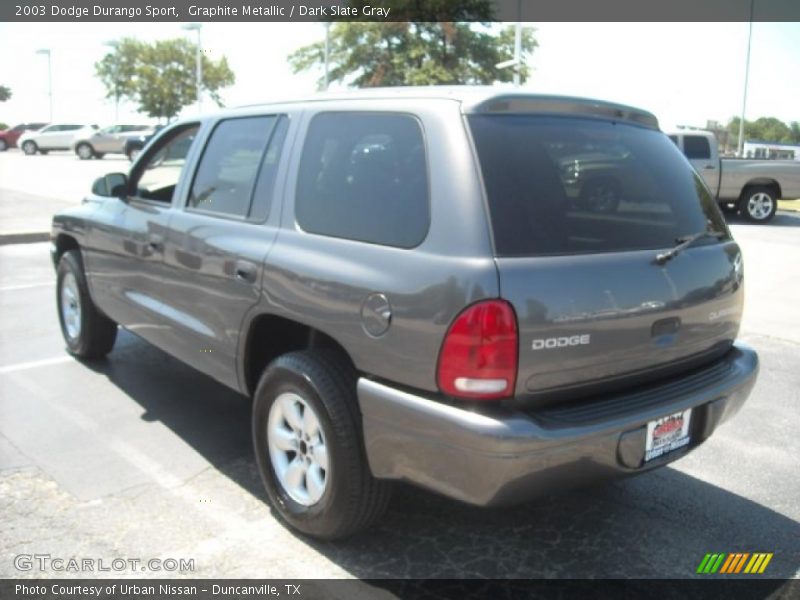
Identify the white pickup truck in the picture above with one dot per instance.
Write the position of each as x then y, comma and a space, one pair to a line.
750, 186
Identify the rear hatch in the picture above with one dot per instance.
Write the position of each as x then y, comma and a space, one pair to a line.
580, 206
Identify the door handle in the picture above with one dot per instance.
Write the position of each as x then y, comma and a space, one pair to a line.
155, 243
709, 167
245, 271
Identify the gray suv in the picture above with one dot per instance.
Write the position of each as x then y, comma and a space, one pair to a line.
404, 284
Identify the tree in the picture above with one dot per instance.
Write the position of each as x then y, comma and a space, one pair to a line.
768, 129
5, 93
160, 77
415, 53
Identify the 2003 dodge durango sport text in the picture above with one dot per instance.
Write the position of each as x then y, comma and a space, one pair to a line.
414, 285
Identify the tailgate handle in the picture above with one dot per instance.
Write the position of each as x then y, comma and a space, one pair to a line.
667, 326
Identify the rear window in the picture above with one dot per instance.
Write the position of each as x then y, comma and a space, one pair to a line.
564, 185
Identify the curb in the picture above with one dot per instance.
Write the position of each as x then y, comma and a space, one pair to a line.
25, 237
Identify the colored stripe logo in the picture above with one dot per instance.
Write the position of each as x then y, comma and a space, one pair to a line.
736, 562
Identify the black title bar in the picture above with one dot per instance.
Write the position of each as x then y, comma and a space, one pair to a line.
397, 10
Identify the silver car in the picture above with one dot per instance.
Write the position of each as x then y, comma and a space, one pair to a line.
108, 140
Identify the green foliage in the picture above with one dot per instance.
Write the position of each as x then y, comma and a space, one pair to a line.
768, 129
160, 77
415, 53
5, 93
3, 126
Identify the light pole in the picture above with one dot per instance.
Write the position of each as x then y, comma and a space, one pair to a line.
199, 63
115, 44
49, 78
740, 150
327, 52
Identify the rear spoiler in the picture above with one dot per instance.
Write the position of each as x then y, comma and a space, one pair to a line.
562, 105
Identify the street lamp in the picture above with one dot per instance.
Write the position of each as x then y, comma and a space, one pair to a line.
115, 44
199, 66
327, 52
740, 150
515, 62
49, 78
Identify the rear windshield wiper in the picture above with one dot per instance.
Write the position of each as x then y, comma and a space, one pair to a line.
684, 242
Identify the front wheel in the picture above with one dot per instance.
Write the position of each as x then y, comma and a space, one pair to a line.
29, 148
758, 204
87, 332
309, 448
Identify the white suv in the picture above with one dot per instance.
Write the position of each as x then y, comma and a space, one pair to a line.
57, 136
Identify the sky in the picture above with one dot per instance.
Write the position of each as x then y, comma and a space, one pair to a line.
685, 73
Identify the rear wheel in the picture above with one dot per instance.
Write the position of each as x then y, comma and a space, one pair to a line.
133, 153
29, 147
87, 332
758, 204
3, 146
309, 448
84, 151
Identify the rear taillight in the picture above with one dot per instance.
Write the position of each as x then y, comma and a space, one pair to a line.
479, 354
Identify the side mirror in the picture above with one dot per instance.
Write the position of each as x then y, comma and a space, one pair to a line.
113, 185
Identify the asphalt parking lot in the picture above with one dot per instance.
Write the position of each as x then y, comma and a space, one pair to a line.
139, 456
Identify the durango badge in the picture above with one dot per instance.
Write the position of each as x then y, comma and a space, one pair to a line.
561, 342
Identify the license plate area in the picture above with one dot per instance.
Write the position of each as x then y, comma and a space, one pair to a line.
667, 434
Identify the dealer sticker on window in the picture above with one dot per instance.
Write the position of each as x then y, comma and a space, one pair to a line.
667, 434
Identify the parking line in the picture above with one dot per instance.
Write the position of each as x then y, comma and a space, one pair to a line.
34, 364
27, 286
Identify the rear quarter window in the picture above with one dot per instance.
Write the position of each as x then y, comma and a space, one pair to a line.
363, 176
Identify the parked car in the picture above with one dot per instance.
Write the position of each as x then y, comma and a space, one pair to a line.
398, 280
134, 144
9, 137
57, 136
109, 140
751, 187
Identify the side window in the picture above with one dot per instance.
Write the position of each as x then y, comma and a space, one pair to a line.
226, 175
157, 177
695, 146
363, 176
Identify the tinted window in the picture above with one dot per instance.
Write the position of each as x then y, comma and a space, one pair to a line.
695, 146
674, 139
559, 185
363, 176
71, 127
224, 180
162, 171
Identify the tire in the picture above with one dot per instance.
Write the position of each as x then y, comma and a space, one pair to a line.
349, 498
29, 147
758, 204
133, 153
84, 151
600, 196
3, 145
88, 333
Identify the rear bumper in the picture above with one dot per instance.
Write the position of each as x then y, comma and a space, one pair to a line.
500, 455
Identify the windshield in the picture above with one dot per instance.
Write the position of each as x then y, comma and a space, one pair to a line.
567, 185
